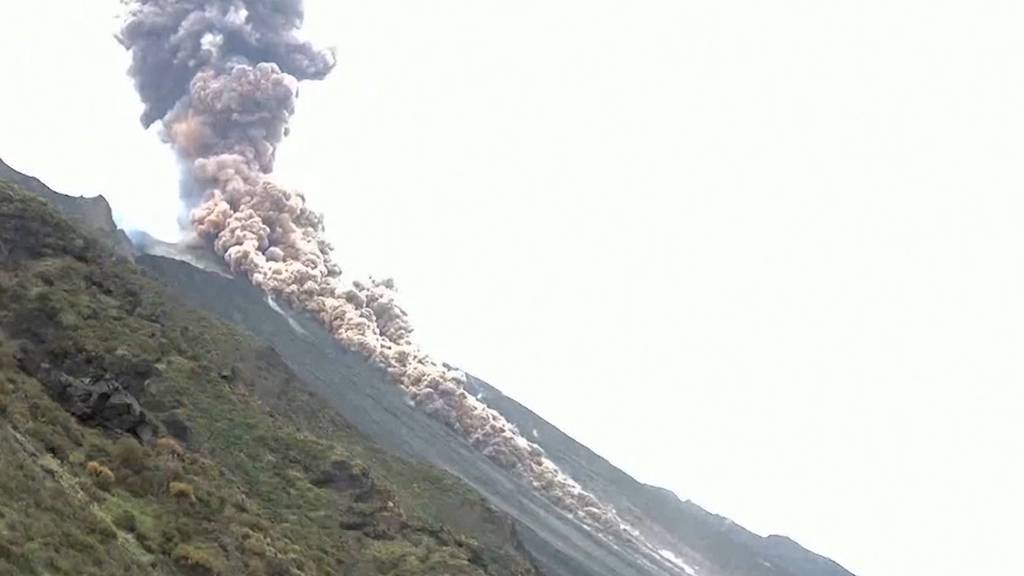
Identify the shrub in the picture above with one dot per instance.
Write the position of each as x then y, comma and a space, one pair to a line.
102, 475
126, 520
182, 492
256, 545
170, 447
197, 559
128, 454
5, 390
50, 437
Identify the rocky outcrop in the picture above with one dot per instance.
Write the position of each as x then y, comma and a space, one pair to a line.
101, 402
343, 476
176, 427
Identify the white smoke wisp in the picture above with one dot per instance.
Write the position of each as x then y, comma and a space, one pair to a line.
222, 76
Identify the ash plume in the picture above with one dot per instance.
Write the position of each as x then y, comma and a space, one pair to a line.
221, 76
173, 40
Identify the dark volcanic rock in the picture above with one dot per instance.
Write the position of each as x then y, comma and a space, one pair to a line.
102, 402
176, 427
343, 476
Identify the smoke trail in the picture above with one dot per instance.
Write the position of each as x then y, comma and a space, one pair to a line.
221, 76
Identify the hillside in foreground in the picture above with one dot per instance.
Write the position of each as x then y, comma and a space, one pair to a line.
139, 436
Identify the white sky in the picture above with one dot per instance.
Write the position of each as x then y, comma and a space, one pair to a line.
767, 255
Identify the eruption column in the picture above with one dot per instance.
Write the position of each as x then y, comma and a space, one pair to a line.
221, 76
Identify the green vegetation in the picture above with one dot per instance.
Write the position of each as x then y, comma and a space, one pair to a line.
139, 436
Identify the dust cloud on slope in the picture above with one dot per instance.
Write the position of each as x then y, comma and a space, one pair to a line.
222, 76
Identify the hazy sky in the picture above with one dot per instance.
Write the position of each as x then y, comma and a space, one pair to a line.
766, 254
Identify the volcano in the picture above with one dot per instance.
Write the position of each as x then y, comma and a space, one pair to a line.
514, 527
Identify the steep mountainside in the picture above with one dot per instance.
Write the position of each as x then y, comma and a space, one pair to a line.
707, 544
695, 542
90, 214
675, 524
139, 436
365, 397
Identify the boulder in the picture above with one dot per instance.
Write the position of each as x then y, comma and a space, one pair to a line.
176, 426
344, 476
102, 402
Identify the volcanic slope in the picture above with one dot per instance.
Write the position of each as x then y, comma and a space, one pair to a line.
140, 436
693, 541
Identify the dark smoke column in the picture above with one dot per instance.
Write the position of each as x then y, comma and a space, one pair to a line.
172, 41
221, 77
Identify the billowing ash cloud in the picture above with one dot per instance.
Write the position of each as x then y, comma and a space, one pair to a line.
221, 76
173, 40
